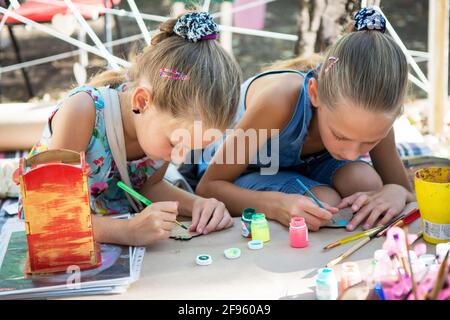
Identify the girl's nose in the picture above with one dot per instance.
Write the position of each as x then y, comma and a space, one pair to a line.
351, 155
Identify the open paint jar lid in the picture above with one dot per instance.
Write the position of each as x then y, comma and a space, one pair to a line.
428, 259
232, 253
255, 244
203, 259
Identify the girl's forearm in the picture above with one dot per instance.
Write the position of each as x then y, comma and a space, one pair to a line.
388, 163
410, 196
110, 230
236, 199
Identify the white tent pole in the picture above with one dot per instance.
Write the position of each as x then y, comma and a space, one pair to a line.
84, 57
418, 83
91, 33
66, 55
140, 21
226, 19
151, 17
438, 43
410, 59
5, 17
65, 38
206, 5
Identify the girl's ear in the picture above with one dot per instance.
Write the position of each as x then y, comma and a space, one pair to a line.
141, 99
312, 91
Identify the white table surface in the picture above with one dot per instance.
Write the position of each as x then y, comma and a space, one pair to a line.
278, 271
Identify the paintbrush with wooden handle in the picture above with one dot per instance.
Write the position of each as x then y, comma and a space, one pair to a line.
414, 213
349, 252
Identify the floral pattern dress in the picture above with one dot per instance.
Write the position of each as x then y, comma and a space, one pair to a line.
105, 196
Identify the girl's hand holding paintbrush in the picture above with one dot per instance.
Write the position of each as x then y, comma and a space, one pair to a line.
153, 223
375, 206
294, 205
208, 215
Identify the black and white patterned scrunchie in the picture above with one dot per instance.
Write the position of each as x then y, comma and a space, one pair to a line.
196, 26
370, 19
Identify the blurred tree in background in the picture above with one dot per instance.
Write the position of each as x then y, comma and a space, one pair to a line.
320, 22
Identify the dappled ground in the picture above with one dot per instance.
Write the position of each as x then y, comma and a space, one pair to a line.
51, 80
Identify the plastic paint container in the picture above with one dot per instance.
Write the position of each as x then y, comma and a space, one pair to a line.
203, 259
255, 245
350, 275
326, 284
260, 227
383, 265
441, 251
298, 233
419, 268
383, 271
246, 222
433, 197
232, 253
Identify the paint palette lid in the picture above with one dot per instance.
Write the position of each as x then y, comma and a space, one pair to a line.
255, 244
203, 260
232, 253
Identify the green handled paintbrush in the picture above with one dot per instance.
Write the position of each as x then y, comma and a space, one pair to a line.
141, 198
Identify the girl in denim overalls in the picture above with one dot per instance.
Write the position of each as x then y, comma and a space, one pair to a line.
327, 118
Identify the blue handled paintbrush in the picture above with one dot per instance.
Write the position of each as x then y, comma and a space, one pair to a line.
305, 188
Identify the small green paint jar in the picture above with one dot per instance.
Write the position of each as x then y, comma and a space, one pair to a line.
260, 228
246, 221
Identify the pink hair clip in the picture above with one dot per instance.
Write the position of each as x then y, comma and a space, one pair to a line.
333, 61
172, 74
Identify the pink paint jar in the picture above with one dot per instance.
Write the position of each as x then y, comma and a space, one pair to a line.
298, 233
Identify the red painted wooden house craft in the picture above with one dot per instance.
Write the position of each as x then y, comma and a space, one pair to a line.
55, 196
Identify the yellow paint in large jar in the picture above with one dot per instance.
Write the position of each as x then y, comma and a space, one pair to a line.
433, 197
